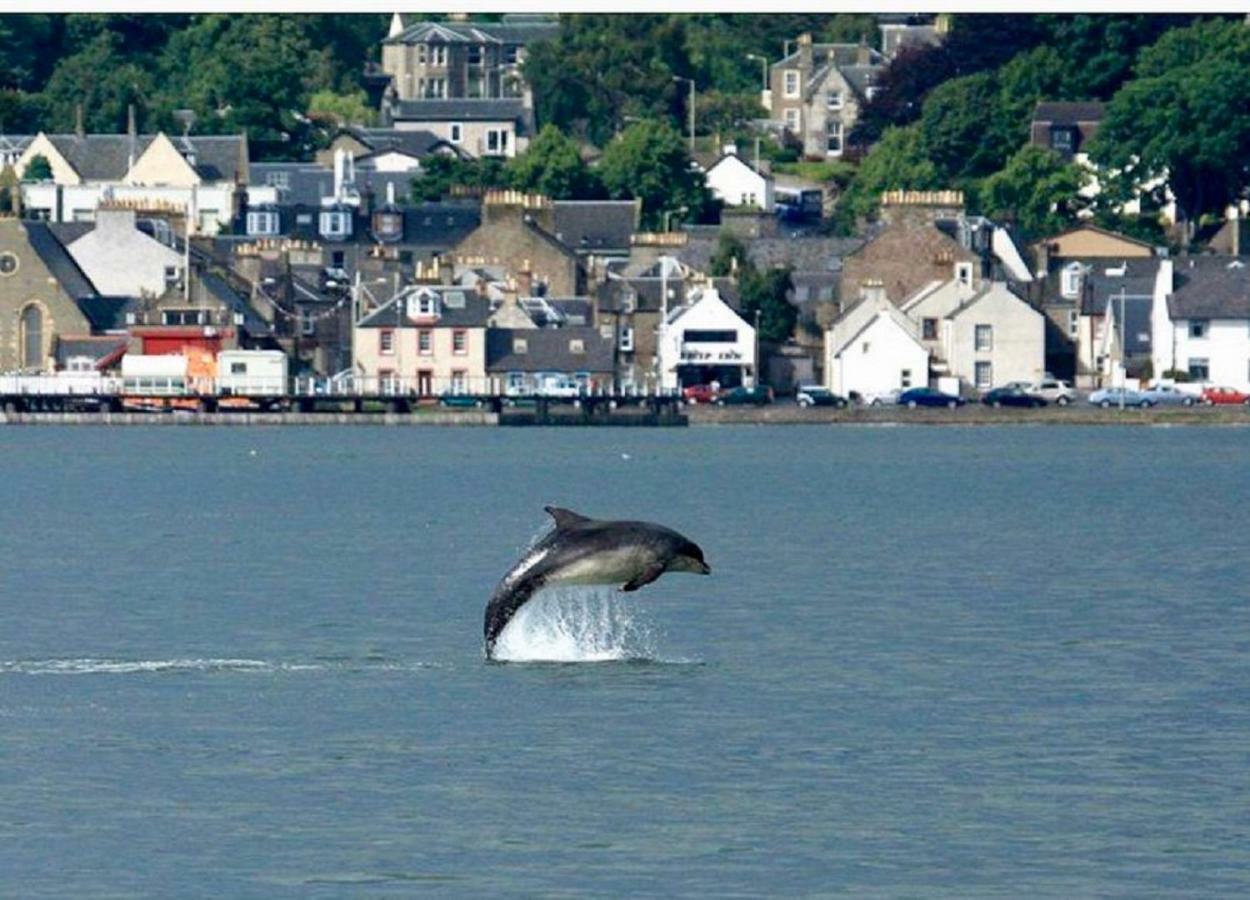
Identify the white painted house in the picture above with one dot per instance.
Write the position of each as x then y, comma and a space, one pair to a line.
737, 183
706, 341
122, 261
873, 348
1202, 324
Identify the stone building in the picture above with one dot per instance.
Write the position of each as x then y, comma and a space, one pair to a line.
517, 240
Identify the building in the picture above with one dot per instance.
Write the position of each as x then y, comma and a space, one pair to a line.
387, 149
517, 240
816, 93
873, 348
427, 340
1066, 127
548, 360
187, 179
901, 31
737, 183
1201, 320
121, 260
705, 341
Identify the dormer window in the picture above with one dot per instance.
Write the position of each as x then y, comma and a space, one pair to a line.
387, 224
262, 222
1063, 140
1070, 281
336, 223
577, 346
423, 304
834, 100
520, 346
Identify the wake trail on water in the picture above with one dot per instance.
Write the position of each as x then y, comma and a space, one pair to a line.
581, 623
102, 666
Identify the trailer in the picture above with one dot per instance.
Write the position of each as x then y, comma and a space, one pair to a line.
252, 373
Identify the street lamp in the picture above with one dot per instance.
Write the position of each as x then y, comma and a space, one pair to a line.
1123, 354
763, 61
690, 110
681, 210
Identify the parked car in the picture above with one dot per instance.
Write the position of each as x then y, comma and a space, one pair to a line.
460, 401
1052, 390
925, 396
1013, 395
1108, 397
815, 395
881, 398
699, 393
1168, 395
741, 396
1224, 396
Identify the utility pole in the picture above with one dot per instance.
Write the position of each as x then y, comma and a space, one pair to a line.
1123, 366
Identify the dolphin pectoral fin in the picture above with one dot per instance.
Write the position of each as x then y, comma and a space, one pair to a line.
565, 518
646, 576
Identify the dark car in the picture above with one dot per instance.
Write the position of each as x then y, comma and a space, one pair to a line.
1013, 396
815, 395
740, 396
923, 396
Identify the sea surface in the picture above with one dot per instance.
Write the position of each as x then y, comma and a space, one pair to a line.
929, 662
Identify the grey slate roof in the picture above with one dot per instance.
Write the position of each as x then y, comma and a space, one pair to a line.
220, 290
802, 254
414, 143
1211, 287
474, 314
839, 54
1138, 281
461, 109
595, 225
54, 255
98, 349
107, 157
1136, 324
1064, 113
512, 30
107, 313
548, 350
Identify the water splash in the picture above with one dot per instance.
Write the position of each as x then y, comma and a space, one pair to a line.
589, 623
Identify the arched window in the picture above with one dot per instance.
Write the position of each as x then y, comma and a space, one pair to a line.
32, 338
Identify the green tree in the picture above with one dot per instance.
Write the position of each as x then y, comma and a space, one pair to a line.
730, 256
38, 169
955, 127
552, 165
1186, 124
1037, 190
341, 109
765, 292
440, 174
898, 162
99, 79
649, 161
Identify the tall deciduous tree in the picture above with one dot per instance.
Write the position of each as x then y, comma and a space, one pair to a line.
552, 165
1036, 190
898, 162
100, 80
649, 161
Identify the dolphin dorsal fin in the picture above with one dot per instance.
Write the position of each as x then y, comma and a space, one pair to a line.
565, 518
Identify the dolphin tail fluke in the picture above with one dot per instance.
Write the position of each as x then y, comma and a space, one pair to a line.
502, 607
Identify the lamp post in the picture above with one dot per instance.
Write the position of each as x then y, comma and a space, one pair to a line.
681, 211
763, 61
690, 110
1123, 357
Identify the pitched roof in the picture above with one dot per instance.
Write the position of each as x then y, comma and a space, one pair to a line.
548, 350
218, 288
103, 350
460, 109
512, 30
1065, 113
58, 260
108, 157
416, 143
838, 54
1211, 287
1137, 328
595, 225
1135, 277
473, 314
107, 313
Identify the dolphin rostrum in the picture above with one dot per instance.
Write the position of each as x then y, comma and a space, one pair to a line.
590, 551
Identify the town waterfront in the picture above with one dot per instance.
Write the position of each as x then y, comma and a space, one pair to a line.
954, 662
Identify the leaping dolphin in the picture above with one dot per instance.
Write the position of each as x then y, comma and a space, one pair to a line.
590, 551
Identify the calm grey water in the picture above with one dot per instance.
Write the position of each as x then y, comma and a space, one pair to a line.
930, 662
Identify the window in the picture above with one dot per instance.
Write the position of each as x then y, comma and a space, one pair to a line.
475, 54
438, 55
336, 259
792, 120
262, 222
577, 346
32, 337
497, 141
425, 342
8, 263
307, 324
708, 336
984, 337
1198, 328
1199, 369
510, 55
834, 99
1062, 141
80, 364
866, 347
1074, 321
386, 342
791, 83
963, 273
520, 346
336, 223
435, 88
627, 339
833, 138
427, 305
171, 276
904, 379
238, 368
459, 380
421, 53
278, 179
459, 342
984, 376
457, 132
1070, 286
929, 329
184, 317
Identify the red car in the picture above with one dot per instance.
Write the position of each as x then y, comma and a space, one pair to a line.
699, 393
1224, 396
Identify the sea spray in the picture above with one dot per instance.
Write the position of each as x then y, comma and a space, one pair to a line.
584, 623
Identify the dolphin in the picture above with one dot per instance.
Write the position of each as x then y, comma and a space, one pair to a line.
580, 550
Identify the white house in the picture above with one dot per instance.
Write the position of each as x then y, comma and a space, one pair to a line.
873, 348
705, 341
122, 261
984, 336
738, 184
1202, 325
